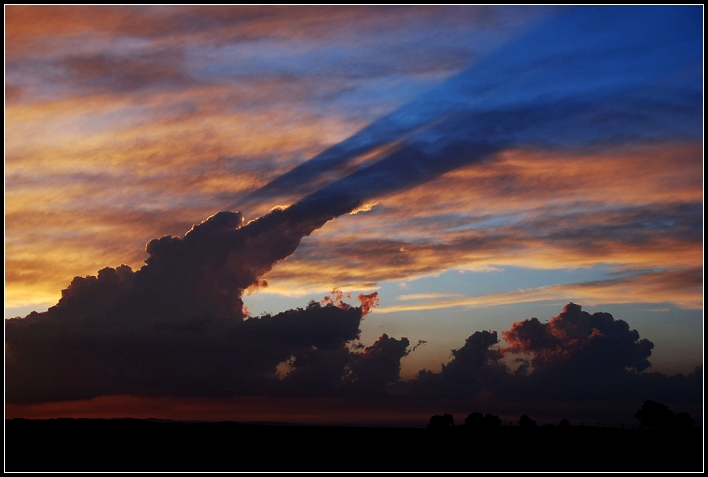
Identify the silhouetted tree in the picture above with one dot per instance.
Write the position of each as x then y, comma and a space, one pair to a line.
478, 421
682, 420
564, 423
526, 421
441, 422
492, 421
475, 420
655, 415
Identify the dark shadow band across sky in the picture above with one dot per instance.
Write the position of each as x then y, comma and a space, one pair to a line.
587, 77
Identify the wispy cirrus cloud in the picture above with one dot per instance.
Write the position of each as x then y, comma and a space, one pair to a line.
682, 287
633, 208
426, 296
238, 101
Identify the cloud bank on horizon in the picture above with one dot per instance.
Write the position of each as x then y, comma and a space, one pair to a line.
155, 333
608, 97
176, 327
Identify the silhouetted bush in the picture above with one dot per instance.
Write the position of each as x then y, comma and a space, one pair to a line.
564, 423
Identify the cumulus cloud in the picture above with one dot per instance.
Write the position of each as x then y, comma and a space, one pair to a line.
579, 340
575, 356
178, 325
370, 372
473, 368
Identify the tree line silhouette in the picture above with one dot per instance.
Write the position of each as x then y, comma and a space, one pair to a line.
120, 445
652, 415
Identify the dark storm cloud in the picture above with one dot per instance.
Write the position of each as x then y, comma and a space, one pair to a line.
340, 372
574, 357
589, 77
52, 357
473, 368
177, 326
378, 366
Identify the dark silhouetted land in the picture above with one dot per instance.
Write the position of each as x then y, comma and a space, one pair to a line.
147, 445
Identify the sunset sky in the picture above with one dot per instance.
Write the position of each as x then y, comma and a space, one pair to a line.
473, 166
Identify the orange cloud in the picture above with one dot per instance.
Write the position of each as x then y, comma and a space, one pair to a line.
28, 27
79, 197
527, 179
630, 208
95, 158
368, 302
